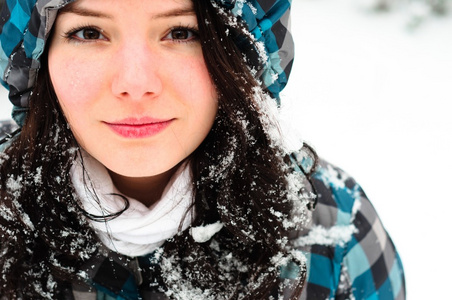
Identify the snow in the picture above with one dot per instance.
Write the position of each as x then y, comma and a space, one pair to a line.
372, 97
14, 185
38, 176
202, 234
337, 235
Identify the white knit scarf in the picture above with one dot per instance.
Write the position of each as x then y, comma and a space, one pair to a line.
140, 229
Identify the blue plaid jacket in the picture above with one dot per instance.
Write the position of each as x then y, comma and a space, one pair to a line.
349, 253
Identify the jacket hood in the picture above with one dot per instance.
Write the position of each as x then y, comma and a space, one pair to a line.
26, 24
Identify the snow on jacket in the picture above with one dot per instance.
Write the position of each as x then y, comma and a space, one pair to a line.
349, 253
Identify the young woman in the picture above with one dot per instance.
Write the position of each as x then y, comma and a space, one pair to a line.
148, 164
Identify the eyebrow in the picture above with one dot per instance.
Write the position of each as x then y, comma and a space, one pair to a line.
74, 9
186, 11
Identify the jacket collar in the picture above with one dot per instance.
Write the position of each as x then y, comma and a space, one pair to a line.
114, 274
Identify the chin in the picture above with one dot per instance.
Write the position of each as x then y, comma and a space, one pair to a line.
142, 169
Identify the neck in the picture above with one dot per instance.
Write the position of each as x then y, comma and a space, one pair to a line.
147, 190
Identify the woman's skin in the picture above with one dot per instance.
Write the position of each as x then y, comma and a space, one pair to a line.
132, 82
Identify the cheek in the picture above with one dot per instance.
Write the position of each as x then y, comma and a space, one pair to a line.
73, 82
192, 80
203, 103
207, 102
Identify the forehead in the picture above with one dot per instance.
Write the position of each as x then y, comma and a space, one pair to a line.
107, 8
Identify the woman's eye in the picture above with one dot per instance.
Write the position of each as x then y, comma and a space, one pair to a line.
88, 34
181, 34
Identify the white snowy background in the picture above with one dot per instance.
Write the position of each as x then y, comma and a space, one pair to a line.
371, 96
374, 98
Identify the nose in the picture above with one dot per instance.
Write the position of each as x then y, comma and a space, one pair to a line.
137, 72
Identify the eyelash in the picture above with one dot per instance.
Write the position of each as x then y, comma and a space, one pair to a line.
70, 35
191, 29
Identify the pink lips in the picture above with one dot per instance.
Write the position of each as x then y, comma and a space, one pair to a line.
138, 128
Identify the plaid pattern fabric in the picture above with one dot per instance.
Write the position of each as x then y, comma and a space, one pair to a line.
25, 25
349, 253
114, 276
6, 128
268, 21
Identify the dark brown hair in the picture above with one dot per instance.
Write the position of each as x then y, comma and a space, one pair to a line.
239, 173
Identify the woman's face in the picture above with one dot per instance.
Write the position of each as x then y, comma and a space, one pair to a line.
132, 82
